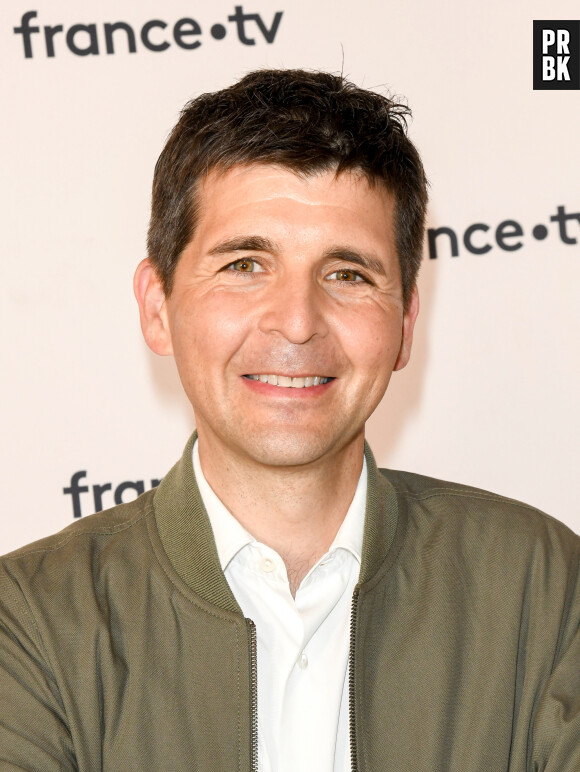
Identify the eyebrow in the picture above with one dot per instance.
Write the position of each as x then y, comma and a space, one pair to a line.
244, 244
262, 244
365, 260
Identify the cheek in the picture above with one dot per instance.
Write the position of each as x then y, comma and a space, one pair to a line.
372, 341
206, 328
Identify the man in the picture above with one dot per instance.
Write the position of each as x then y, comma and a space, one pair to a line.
279, 603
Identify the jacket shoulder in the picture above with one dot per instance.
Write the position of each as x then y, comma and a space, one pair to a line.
106, 523
465, 505
43, 580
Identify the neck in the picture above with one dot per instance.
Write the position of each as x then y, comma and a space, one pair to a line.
295, 510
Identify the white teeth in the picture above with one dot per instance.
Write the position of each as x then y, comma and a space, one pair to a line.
288, 382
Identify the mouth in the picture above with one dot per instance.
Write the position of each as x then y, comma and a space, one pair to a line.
288, 382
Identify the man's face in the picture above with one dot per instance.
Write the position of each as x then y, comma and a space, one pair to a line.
287, 280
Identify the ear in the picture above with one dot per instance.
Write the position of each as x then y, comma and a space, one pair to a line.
152, 308
408, 325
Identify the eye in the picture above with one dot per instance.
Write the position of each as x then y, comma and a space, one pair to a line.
245, 265
346, 275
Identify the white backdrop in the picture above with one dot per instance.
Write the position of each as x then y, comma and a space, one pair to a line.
491, 395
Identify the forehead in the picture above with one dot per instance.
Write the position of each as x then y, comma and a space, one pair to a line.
273, 198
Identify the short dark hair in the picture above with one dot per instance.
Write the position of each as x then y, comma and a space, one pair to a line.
309, 122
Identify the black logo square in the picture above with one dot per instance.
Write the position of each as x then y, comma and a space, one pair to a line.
557, 55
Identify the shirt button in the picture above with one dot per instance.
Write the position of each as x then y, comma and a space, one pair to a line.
302, 661
268, 565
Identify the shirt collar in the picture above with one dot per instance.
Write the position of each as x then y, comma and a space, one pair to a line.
350, 533
231, 537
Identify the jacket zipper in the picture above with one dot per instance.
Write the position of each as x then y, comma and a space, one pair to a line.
253, 697
351, 674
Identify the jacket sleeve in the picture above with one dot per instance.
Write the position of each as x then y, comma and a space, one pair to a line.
556, 730
33, 728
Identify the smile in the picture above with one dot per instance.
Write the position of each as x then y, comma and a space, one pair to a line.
287, 382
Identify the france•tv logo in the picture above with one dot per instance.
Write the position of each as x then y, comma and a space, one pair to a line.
557, 55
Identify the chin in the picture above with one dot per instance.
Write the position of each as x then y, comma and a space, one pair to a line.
287, 448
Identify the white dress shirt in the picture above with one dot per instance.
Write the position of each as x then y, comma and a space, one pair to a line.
303, 642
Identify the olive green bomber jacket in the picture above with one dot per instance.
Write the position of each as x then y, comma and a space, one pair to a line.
122, 647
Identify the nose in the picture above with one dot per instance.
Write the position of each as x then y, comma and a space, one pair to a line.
295, 309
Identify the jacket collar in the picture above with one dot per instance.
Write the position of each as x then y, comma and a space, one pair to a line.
187, 537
